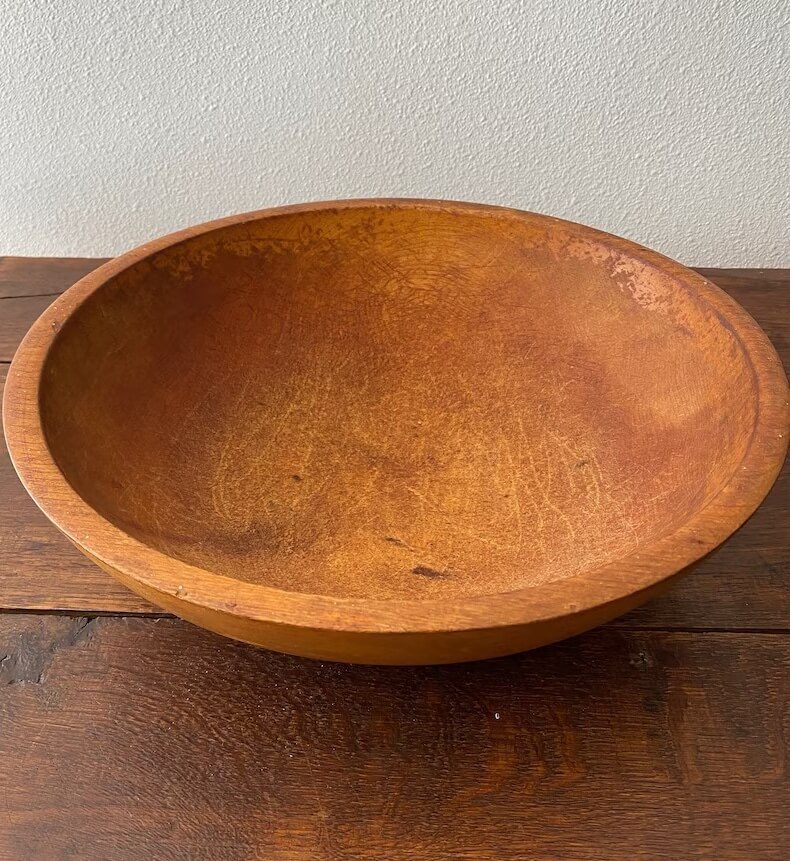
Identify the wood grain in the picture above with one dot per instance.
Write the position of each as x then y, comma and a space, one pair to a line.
131, 739
39, 569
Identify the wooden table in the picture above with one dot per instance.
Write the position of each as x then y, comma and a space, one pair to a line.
126, 734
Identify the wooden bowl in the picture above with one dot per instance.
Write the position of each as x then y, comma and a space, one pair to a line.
396, 431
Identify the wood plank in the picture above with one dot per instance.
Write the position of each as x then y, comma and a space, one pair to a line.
35, 276
28, 285
16, 317
133, 739
765, 294
41, 570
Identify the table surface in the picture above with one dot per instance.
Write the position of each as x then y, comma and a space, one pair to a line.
127, 734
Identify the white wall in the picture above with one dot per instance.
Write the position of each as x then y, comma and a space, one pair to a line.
668, 122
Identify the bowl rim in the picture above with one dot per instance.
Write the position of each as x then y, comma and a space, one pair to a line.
640, 571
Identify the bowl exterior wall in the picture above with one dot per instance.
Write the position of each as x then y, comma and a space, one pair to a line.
393, 649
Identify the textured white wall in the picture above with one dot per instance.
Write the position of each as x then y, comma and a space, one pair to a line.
667, 122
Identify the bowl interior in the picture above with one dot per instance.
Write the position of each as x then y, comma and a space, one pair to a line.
397, 401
